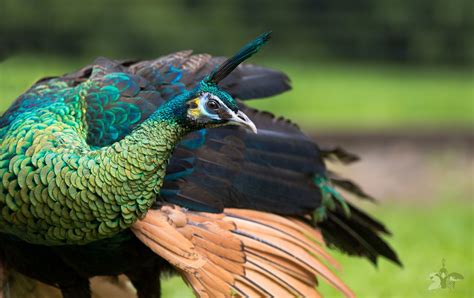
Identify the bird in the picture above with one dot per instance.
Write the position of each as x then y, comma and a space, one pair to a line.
149, 167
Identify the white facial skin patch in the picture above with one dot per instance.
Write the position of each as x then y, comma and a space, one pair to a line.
201, 111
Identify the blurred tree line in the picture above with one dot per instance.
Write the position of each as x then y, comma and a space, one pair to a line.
428, 32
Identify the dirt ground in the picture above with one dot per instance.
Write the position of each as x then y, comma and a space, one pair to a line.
409, 166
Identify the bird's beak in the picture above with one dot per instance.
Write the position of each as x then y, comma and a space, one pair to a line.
241, 119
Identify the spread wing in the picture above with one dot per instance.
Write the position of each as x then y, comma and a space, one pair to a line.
240, 252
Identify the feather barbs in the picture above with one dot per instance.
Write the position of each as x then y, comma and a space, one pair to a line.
239, 253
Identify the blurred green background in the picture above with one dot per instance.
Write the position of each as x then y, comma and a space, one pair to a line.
390, 80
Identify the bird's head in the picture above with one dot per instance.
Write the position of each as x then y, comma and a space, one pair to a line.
208, 106
212, 107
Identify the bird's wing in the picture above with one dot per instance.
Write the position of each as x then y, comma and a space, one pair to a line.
240, 252
182, 69
229, 167
250, 81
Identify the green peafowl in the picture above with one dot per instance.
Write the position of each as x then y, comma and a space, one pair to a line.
145, 167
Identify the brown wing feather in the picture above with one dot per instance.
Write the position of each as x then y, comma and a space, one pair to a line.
240, 252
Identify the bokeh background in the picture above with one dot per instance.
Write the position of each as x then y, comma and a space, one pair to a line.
391, 80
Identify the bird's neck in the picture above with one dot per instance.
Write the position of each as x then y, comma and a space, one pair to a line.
85, 194
141, 158
131, 171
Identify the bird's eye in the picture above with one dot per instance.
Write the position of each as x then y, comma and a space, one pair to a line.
212, 104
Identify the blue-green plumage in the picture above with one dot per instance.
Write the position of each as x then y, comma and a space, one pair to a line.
109, 115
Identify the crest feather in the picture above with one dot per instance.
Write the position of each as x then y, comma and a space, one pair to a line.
243, 54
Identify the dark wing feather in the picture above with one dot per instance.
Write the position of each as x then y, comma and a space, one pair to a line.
272, 171
339, 154
349, 186
250, 81
357, 234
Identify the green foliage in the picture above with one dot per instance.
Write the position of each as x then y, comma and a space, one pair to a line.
423, 236
423, 31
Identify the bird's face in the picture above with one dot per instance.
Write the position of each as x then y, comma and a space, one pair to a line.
211, 107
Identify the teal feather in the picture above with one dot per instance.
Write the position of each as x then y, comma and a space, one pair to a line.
328, 197
196, 142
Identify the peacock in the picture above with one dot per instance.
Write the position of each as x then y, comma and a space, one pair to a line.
148, 167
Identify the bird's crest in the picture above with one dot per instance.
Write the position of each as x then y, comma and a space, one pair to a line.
243, 54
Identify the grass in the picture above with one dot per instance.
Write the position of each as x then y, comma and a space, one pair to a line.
422, 237
375, 97
326, 96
